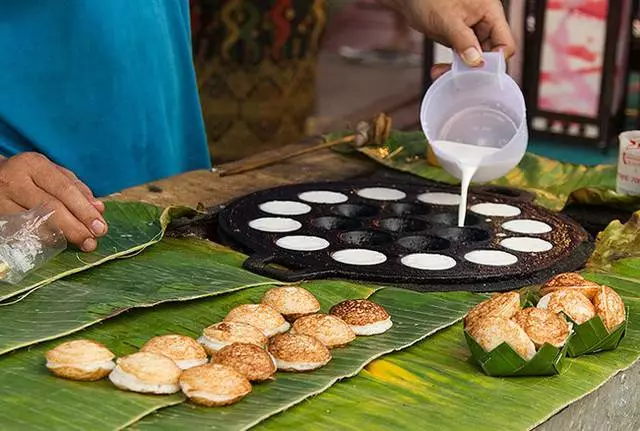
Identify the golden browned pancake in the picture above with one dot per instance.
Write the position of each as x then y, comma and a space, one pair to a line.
543, 326
253, 362
570, 280
500, 305
297, 352
570, 302
83, 360
490, 332
292, 302
609, 307
262, 316
215, 337
330, 330
146, 373
363, 316
214, 385
182, 350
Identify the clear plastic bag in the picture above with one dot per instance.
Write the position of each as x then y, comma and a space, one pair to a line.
28, 240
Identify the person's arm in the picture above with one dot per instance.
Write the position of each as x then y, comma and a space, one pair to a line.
28, 180
467, 26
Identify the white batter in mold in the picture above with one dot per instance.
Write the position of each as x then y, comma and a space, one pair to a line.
496, 210
491, 257
285, 208
382, 194
526, 244
428, 261
437, 198
359, 256
275, 224
302, 243
530, 227
323, 197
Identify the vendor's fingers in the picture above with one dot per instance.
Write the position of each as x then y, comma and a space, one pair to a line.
55, 183
464, 42
438, 70
31, 196
99, 205
8, 207
495, 34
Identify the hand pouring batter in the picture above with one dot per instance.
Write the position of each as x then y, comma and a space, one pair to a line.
475, 121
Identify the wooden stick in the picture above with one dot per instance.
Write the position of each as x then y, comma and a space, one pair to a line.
277, 158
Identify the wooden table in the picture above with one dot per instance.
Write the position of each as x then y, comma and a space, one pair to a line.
615, 405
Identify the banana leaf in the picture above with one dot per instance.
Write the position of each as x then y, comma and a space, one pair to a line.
172, 270
62, 404
617, 242
132, 227
503, 361
592, 336
554, 183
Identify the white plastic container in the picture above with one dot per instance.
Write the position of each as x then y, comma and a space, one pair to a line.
628, 179
480, 107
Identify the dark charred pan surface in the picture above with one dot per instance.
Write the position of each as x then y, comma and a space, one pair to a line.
401, 228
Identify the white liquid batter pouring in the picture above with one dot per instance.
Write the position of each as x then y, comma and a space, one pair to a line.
468, 158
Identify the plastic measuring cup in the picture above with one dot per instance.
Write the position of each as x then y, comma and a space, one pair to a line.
481, 107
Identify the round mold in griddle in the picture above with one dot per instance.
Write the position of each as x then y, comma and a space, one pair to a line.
381, 194
397, 224
275, 224
491, 209
491, 258
359, 256
439, 198
323, 197
401, 209
335, 223
428, 261
354, 210
363, 238
302, 243
422, 243
451, 219
526, 244
527, 227
285, 208
463, 235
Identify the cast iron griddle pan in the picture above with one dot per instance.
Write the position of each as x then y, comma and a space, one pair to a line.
399, 228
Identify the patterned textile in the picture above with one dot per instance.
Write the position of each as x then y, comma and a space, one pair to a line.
256, 66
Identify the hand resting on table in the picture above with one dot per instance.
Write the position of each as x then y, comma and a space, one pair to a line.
30, 179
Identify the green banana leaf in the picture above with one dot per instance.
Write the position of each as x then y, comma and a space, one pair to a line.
554, 183
24, 378
592, 337
503, 361
617, 242
132, 227
172, 270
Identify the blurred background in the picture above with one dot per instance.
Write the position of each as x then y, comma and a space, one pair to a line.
274, 71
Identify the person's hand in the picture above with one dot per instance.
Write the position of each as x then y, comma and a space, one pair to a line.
469, 27
30, 179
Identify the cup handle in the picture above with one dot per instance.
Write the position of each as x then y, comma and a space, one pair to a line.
494, 62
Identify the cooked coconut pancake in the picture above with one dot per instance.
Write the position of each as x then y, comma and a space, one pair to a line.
490, 332
215, 337
571, 280
253, 362
297, 352
182, 350
83, 360
571, 302
146, 372
609, 307
500, 305
330, 330
262, 316
543, 326
363, 316
292, 302
214, 385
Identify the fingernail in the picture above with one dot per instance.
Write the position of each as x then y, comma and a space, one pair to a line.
89, 244
472, 57
98, 227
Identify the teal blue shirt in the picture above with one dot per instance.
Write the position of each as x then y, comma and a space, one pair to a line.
105, 88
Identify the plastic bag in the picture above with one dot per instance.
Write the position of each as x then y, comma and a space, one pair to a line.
28, 240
